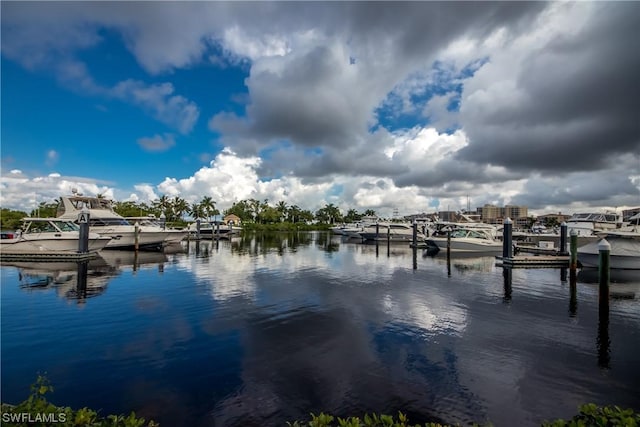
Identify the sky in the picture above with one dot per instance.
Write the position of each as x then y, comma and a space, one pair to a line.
392, 106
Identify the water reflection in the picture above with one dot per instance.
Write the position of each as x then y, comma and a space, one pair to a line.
267, 328
81, 280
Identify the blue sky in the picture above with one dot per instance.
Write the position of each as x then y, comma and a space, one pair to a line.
383, 106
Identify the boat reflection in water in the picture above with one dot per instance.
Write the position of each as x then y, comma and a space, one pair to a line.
85, 279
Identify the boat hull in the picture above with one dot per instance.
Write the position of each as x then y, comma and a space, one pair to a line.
465, 245
121, 239
624, 252
43, 244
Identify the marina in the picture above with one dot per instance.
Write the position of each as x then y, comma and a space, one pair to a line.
265, 328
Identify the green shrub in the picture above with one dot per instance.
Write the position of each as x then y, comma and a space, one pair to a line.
591, 415
36, 411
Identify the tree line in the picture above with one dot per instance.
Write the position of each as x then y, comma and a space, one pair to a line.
175, 209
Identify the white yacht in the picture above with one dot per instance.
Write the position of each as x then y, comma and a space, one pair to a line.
590, 223
393, 231
173, 235
466, 240
43, 235
624, 254
103, 220
209, 229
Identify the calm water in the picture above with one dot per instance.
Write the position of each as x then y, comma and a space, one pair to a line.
267, 329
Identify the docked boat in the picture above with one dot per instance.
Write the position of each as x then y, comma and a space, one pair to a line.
466, 240
173, 235
393, 231
48, 235
625, 250
591, 223
209, 229
105, 221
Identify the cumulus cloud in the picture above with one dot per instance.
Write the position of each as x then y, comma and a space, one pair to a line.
561, 97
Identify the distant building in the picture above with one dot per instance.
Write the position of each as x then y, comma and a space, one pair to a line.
232, 219
559, 218
493, 214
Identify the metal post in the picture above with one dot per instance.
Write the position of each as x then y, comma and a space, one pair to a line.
563, 238
573, 249
136, 244
603, 342
604, 249
414, 238
83, 236
448, 251
507, 245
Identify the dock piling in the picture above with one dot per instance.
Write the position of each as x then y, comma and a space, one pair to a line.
573, 249
414, 237
198, 229
507, 246
563, 239
83, 237
136, 244
604, 249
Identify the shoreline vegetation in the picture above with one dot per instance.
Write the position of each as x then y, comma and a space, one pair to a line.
254, 214
37, 411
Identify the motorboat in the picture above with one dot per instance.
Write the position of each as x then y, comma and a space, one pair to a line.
440, 228
466, 240
48, 235
348, 229
624, 254
392, 231
591, 223
105, 221
209, 229
173, 235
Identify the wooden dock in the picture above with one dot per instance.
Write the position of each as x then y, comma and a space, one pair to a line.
48, 256
539, 261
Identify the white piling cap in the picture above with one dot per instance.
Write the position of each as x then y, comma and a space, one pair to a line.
564, 224
508, 221
573, 232
603, 245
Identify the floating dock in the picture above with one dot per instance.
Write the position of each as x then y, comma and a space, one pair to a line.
47, 256
540, 261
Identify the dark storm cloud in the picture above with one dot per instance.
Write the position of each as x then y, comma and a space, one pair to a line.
448, 170
318, 96
580, 102
601, 188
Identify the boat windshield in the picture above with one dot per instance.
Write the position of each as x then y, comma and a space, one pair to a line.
66, 225
40, 227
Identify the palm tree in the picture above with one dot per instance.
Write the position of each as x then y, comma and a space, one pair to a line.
180, 206
281, 207
208, 207
196, 211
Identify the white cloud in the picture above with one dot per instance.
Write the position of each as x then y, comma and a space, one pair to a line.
159, 100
